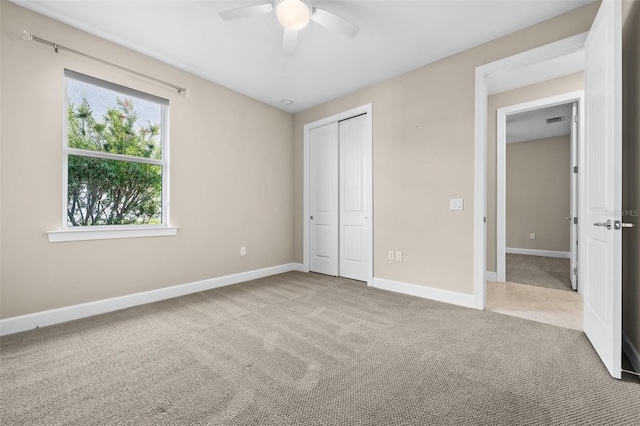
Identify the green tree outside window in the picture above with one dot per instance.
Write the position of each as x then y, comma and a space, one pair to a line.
107, 191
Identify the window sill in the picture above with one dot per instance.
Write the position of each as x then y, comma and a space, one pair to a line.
110, 234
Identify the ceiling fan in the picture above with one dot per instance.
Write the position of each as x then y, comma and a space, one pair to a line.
294, 15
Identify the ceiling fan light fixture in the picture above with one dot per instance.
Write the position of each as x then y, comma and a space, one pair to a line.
293, 14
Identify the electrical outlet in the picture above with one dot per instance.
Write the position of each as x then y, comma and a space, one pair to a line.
533, 236
390, 255
398, 256
456, 204
243, 251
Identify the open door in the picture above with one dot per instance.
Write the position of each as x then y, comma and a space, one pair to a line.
600, 201
573, 213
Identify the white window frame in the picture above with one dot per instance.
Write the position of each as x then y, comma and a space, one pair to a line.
75, 233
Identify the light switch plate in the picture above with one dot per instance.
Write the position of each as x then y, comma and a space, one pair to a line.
456, 204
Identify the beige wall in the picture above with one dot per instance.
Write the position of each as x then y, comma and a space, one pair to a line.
556, 86
231, 171
231, 180
631, 172
424, 155
538, 196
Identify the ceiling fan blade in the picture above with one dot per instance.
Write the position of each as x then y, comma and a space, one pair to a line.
289, 42
245, 12
334, 22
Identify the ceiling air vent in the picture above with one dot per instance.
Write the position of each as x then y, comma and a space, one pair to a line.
554, 120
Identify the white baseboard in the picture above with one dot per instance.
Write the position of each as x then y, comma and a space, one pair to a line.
490, 276
69, 313
631, 352
299, 267
455, 298
533, 252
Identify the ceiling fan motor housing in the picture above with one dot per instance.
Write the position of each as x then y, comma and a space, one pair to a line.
293, 14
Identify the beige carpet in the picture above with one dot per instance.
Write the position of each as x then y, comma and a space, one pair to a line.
304, 349
540, 271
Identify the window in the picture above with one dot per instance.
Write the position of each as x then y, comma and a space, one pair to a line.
115, 158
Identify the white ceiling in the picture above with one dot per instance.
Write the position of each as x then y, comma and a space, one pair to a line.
245, 55
532, 125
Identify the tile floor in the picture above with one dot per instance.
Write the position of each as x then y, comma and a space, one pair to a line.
558, 307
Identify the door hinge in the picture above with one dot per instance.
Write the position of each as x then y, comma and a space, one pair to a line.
575, 169
575, 220
575, 118
575, 271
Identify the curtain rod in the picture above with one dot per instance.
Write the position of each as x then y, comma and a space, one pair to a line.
57, 47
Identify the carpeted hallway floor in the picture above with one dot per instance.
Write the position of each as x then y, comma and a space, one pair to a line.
305, 349
540, 271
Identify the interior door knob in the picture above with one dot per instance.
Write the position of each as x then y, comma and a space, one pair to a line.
607, 224
618, 224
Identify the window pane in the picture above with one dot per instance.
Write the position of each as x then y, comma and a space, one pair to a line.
101, 119
112, 192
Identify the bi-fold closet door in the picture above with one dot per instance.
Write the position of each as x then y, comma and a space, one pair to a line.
339, 241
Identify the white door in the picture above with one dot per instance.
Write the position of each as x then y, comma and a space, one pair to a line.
354, 244
573, 211
600, 201
323, 199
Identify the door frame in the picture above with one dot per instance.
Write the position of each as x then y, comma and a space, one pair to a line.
483, 73
501, 163
363, 109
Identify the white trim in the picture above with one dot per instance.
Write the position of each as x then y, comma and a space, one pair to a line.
455, 298
535, 252
631, 352
490, 276
84, 310
109, 156
501, 163
493, 69
480, 189
501, 193
363, 109
65, 158
299, 267
67, 150
95, 233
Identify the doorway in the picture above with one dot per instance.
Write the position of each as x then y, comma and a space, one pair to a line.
537, 191
600, 171
338, 222
537, 196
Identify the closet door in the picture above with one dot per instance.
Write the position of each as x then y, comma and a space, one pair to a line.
354, 240
323, 200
